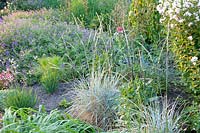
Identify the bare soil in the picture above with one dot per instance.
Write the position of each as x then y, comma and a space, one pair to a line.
51, 101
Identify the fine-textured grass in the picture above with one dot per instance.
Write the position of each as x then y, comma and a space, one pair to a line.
3, 94
155, 117
96, 100
51, 72
19, 98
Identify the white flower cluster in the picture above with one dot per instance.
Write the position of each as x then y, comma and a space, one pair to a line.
179, 10
194, 60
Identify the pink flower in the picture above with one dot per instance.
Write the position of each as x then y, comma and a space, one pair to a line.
120, 29
6, 77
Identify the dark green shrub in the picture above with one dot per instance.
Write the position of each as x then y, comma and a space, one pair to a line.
19, 98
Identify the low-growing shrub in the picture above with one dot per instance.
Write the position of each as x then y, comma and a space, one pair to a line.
53, 15
51, 72
27, 120
97, 100
19, 98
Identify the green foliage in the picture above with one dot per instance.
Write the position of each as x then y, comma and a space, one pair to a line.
3, 94
5, 8
36, 4
119, 14
78, 8
19, 98
27, 120
191, 118
138, 91
157, 116
184, 28
97, 100
65, 104
139, 56
27, 36
150, 29
51, 72
87, 11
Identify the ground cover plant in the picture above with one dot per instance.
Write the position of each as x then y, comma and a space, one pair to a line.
112, 65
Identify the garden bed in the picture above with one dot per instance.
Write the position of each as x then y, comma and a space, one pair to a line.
86, 66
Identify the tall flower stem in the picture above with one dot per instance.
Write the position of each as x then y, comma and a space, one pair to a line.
167, 66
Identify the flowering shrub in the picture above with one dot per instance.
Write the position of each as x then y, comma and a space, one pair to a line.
182, 18
6, 77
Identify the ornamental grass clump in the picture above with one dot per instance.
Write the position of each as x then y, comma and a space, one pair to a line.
155, 117
50, 69
19, 98
97, 99
182, 21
